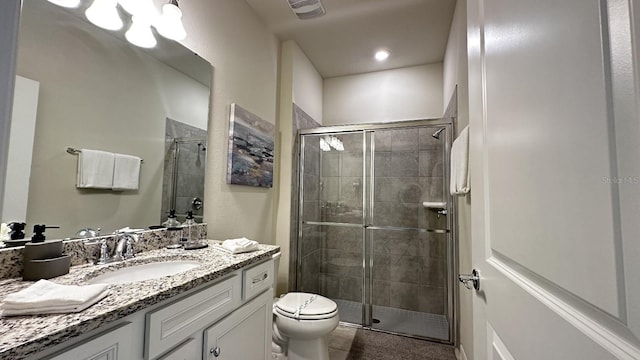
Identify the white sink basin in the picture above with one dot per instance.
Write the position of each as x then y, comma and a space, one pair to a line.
144, 272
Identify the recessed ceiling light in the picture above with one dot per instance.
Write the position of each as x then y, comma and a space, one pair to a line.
382, 55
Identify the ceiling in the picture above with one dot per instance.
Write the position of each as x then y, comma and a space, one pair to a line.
343, 41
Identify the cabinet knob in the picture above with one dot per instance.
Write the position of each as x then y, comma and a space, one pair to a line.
215, 351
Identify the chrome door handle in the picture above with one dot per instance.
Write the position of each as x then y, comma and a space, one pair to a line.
470, 280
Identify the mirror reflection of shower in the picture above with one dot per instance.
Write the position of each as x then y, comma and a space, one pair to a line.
187, 190
183, 177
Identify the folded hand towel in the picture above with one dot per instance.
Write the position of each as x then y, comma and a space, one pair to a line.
8, 310
126, 172
95, 169
240, 245
459, 182
45, 294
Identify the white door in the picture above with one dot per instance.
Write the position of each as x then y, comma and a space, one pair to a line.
555, 178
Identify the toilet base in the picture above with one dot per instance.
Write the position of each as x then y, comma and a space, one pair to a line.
315, 349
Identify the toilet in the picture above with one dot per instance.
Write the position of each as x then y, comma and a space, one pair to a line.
302, 323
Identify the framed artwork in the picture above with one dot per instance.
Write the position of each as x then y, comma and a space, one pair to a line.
251, 143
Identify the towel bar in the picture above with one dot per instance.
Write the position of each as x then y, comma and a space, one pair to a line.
74, 151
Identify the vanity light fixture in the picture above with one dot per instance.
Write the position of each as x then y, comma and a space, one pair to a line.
66, 3
169, 23
103, 13
144, 15
139, 34
139, 8
382, 55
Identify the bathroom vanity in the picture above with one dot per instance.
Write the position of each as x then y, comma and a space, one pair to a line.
218, 310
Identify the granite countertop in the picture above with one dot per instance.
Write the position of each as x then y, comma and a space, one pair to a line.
22, 336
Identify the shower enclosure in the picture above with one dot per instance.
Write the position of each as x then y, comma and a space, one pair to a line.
374, 225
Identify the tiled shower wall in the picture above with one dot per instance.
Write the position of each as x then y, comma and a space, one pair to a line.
409, 269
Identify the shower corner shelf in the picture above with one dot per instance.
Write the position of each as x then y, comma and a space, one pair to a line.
434, 205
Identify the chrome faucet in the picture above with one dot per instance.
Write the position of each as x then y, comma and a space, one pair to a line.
122, 250
124, 246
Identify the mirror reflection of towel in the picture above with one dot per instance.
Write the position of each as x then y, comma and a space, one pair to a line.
126, 172
95, 169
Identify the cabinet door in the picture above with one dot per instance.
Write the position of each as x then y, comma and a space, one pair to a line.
188, 350
112, 345
245, 334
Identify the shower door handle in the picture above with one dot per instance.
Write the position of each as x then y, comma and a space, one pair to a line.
470, 280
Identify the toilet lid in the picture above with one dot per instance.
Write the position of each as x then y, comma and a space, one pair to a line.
305, 304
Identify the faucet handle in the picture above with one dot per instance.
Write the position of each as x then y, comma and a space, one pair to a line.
104, 253
129, 252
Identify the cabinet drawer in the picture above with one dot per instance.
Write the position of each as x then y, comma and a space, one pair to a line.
257, 279
114, 344
172, 324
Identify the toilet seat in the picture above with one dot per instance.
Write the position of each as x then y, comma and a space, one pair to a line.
305, 306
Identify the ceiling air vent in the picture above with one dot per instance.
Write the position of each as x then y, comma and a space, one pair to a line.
306, 9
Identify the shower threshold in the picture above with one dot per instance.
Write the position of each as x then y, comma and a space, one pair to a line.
397, 321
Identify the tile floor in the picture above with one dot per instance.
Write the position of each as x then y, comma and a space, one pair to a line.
348, 343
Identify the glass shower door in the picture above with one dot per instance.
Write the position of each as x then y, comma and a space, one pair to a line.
331, 226
408, 242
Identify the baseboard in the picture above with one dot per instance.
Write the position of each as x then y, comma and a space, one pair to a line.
460, 354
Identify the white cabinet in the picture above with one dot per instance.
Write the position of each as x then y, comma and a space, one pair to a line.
170, 325
244, 334
220, 315
188, 350
114, 344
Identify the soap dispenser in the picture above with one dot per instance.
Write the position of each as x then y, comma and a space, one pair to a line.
44, 260
17, 230
38, 232
189, 220
171, 222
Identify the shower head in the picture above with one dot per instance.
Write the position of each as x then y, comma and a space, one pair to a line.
437, 133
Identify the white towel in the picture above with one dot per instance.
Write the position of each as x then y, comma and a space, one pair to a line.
126, 172
459, 183
46, 297
237, 246
95, 169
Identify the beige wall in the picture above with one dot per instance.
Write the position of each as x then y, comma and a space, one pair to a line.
244, 55
455, 74
300, 83
400, 94
97, 92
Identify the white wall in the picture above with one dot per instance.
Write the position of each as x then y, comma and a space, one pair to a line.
456, 74
392, 95
307, 83
300, 83
23, 126
244, 55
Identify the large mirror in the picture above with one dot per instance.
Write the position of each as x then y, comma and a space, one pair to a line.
80, 86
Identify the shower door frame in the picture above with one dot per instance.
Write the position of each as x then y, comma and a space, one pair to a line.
368, 207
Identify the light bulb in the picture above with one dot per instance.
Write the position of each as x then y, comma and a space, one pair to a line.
103, 13
382, 55
139, 34
170, 23
324, 146
140, 9
66, 3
